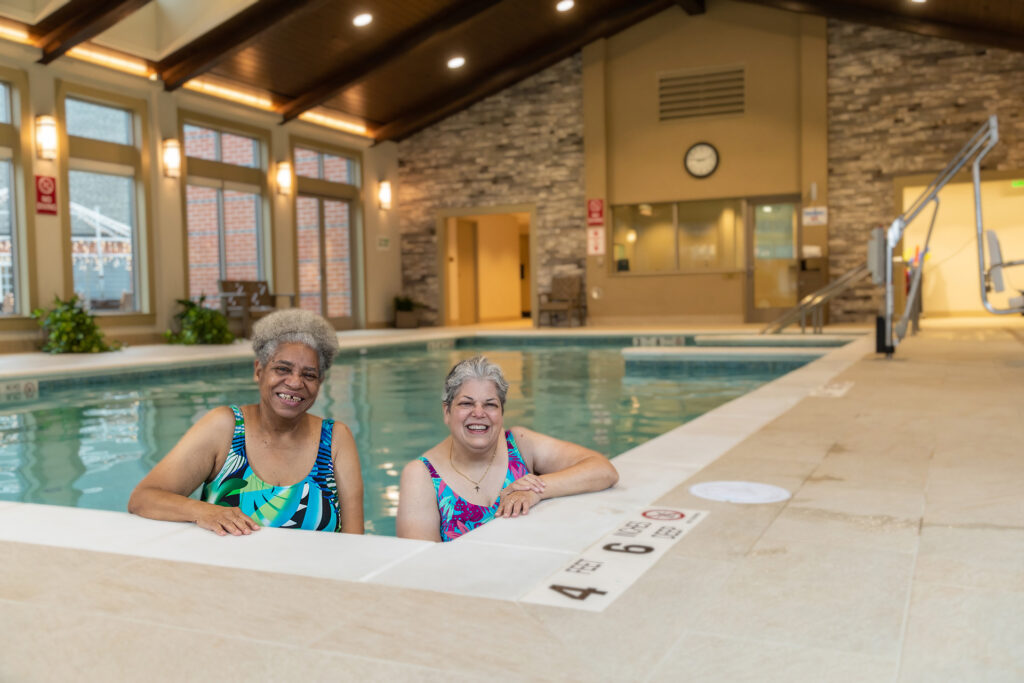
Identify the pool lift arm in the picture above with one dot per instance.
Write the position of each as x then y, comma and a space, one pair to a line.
884, 243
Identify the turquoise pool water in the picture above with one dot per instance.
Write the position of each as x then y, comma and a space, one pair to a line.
88, 445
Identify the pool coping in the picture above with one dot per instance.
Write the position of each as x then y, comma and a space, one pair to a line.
503, 560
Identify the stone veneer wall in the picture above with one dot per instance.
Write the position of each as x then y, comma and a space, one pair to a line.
902, 104
523, 145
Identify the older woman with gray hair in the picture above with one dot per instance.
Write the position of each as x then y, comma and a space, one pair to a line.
270, 463
482, 470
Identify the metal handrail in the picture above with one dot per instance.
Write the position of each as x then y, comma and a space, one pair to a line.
814, 303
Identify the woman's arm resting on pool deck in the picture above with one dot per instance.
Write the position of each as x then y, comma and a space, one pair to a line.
163, 493
349, 479
418, 516
564, 468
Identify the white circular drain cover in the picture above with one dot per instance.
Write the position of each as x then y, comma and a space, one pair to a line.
739, 492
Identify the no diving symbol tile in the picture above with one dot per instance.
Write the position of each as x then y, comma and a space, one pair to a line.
832, 390
605, 570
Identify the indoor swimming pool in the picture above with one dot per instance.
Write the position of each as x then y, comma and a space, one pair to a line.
86, 444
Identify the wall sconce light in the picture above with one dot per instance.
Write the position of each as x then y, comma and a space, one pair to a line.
384, 194
46, 137
172, 158
284, 177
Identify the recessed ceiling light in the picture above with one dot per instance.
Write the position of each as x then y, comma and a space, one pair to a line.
456, 62
362, 19
565, 5
920, 2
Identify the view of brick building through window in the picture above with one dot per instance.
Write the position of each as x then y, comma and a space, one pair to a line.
224, 225
324, 256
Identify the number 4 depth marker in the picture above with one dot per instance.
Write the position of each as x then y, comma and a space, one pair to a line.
605, 570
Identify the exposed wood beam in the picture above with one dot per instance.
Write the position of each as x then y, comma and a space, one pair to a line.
79, 21
527, 63
203, 53
692, 7
350, 74
936, 28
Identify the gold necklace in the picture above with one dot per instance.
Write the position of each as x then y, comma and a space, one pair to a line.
476, 484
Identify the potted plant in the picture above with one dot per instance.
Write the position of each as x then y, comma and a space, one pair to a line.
200, 325
70, 328
406, 315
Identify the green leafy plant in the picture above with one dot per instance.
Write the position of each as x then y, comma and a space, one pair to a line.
70, 328
406, 303
200, 325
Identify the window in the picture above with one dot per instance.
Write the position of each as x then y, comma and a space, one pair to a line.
105, 196
327, 183
689, 237
9, 271
224, 199
310, 163
227, 148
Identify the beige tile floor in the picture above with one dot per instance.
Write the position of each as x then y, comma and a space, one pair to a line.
899, 557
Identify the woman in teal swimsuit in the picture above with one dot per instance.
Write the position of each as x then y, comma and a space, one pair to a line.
270, 463
482, 470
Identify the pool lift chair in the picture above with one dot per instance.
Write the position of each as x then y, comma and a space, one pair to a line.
883, 243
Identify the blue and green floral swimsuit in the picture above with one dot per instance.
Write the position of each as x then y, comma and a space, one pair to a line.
310, 504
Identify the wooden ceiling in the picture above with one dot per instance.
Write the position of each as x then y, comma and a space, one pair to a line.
392, 74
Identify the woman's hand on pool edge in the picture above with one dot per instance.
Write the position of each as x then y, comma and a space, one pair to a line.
528, 482
514, 503
226, 520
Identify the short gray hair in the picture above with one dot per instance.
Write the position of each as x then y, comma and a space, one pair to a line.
295, 325
477, 367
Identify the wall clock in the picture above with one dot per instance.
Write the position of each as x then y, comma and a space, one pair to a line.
701, 159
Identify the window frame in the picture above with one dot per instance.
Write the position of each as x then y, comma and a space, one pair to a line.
330, 190
17, 136
739, 237
88, 154
225, 176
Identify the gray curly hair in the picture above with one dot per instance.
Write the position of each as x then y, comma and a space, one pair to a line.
477, 367
295, 325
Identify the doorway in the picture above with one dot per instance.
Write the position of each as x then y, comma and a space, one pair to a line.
486, 272
773, 239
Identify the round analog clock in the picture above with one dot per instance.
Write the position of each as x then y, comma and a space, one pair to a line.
701, 159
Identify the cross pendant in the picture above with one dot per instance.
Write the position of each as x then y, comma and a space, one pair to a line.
477, 489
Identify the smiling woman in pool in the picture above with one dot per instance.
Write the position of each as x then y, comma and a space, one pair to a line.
270, 463
482, 471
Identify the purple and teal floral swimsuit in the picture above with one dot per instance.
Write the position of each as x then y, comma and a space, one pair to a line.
458, 515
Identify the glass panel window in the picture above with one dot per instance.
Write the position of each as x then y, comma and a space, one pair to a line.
687, 237
223, 238
310, 163
644, 238
5, 103
710, 235
98, 121
8, 260
228, 148
103, 239
325, 271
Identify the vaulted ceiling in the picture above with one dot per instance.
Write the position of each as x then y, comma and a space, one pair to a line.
392, 73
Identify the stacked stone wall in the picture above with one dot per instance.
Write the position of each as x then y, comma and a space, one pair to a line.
523, 145
903, 104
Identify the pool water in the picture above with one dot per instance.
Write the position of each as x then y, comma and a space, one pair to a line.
87, 446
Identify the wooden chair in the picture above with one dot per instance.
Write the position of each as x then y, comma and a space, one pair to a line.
565, 298
248, 300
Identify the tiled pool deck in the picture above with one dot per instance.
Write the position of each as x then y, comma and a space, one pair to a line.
899, 557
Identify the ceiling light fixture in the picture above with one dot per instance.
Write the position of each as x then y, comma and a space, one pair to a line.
362, 19
920, 2
456, 62
334, 122
111, 60
565, 5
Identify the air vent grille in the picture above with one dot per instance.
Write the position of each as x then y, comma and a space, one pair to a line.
708, 92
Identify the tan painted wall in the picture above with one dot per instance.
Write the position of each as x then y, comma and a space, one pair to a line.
777, 147
951, 285
498, 290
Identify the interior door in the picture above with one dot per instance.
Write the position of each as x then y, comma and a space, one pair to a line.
772, 258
